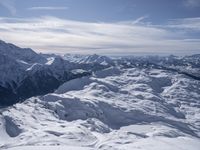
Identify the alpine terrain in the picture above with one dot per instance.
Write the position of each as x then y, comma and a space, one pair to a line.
88, 102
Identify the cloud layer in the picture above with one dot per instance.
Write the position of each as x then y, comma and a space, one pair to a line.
51, 34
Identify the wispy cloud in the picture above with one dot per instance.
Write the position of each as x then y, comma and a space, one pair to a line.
191, 3
9, 5
48, 8
186, 23
138, 20
51, 34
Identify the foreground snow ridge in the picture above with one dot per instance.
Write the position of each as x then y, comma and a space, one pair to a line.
115, 108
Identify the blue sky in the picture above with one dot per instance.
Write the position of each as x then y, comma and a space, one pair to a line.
103, 26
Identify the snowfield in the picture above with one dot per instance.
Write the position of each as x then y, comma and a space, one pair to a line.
113, 109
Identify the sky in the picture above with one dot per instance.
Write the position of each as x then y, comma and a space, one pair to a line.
109, 27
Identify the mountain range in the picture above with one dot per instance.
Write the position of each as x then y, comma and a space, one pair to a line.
73, 101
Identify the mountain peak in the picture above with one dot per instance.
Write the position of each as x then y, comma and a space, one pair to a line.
17, 53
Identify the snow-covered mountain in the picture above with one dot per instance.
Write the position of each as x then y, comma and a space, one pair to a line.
89, 59
96, 102
22, 54
25, 73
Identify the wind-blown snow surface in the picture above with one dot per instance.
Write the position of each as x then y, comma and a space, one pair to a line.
120, 109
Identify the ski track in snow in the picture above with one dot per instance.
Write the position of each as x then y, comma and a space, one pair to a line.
119, 109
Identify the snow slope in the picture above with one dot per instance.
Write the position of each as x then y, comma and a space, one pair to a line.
116, 108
